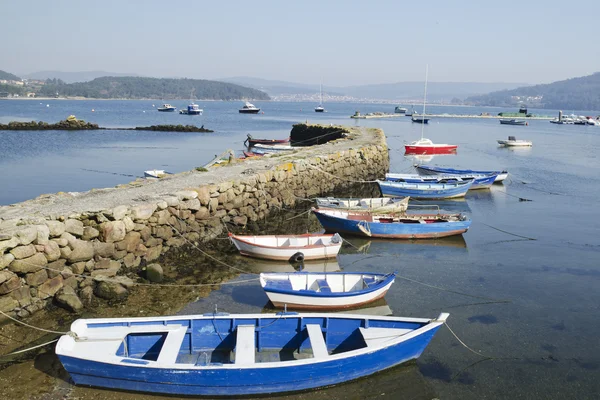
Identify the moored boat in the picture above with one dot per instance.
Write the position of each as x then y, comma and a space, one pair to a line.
192, 109
400, 110
166, 108
271, 148
425, 190
250, 141
433, 170
156, 173
325, 291
408, 226
288, 247
426, 146
480, 181
419, 119
249, 108
512, 122
398, 204
513, 142
238, 354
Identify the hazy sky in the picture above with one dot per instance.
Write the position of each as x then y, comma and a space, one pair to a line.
344, 42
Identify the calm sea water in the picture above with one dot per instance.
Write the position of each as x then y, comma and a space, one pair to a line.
542, 341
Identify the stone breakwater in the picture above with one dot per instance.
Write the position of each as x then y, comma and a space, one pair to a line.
67, 248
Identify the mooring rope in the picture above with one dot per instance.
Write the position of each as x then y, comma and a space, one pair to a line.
508, 233
29, 348
34, 327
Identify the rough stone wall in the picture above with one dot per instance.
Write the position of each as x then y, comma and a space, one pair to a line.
67, 259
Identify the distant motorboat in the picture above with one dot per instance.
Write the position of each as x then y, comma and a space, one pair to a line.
512, 122
167, 108
249, 108
513, 142
156, 173
192, 109
400, 110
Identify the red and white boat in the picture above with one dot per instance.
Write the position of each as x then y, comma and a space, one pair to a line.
288, 247
426, 146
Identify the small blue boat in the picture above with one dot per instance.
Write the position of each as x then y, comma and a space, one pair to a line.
480, 181
406, 226
238, 354
424, 190
432, 170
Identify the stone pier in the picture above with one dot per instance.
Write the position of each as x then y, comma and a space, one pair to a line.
67, 248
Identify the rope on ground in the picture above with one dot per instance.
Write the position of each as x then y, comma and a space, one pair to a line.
337, 177
34, 327
29, 348
296, 216
508, 233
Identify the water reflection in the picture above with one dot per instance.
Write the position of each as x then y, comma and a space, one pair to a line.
459, 205
377, 308
424, 158
378, 246
258, 266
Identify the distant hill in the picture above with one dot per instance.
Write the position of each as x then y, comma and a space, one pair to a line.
581, 93
111, 87
70, 77
8, 76
436, 91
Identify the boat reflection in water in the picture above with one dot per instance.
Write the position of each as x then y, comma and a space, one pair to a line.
258, 266
456, 205
378, 307
381, 246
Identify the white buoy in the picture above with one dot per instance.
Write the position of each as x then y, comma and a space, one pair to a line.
47, 105
144, 111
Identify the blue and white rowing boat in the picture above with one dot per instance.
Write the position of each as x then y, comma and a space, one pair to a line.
238, 354
407, 226
325, 291
480, 181
424, 190
432, 170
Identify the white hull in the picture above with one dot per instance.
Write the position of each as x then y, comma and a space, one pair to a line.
515, 143
373, 204
313, 247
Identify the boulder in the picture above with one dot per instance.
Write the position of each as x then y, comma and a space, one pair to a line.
119, 212
50, 287
143, 212
21, 252
193, 204
78, 268
203, 195
61, 242
153, 253
69, 238
107, 264
30, 264
82, 251
6, 259
164, 232
202, 213
5, 275
90, 233
43, 234
162, 205
163, 217
109, 272
154, 273
102, 249
129, 260
241, 220
69, 301
171, 201
86, 295
36, 278
8, 244
65, 251
27, 235
186, 195
110, 291
225, 186
52, 251
22, 295
130, 242
56, 228
12, 283
129, 224
7, 304
112, 231
74, 227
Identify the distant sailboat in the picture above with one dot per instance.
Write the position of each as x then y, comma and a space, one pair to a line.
320, 107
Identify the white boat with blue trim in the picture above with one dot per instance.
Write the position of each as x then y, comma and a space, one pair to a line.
380, 204
239, 354
434, 170
325, 291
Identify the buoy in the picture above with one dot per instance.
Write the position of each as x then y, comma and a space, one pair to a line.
297, 257
144, 111
47, 105
263, 112
93, 110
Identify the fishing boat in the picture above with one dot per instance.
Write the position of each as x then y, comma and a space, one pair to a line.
408, 226
419, 119
513, 142
425, 190
325, 291
320, 107
480, 181
248, 154
250, 141
156, 173
220, 354
249, 108
400, 110
391, 204
288, 247
271, 148
426, 146
192, 109
167, 108
512, 122
432, 170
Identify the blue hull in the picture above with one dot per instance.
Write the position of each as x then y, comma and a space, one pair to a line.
394, 230
441, 170
478, 183
424, 190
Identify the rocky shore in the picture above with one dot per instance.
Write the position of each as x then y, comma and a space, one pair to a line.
173, 128
66, 125
70, 249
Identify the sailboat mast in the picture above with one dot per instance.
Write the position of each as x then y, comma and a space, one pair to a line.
321, 93
424, 101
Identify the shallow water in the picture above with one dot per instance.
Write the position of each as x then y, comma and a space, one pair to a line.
529, 305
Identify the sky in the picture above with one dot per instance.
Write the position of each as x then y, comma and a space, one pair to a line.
342, 43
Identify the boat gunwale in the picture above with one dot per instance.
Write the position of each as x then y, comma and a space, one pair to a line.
310, 246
